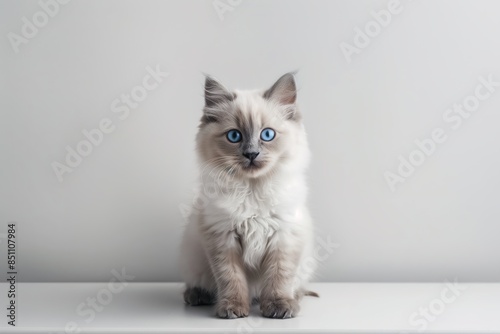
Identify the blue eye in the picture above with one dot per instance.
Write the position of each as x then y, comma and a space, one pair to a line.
267, 134
234, 136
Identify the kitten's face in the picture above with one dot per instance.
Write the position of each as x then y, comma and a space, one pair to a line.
249, 133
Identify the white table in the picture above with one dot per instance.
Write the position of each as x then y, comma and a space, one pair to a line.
342, 308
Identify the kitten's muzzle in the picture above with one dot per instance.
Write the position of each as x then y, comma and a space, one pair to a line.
251, 155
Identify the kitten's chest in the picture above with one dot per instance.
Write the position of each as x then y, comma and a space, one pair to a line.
254, 220
255, 215
255, 204
253, 234
243, 201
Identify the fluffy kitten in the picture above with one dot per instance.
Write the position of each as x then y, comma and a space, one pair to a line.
250, 231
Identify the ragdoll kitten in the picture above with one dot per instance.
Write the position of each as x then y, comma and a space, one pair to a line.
250, 231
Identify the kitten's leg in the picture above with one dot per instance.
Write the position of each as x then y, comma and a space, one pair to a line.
277, 298
198, 296
227, 266
195, 268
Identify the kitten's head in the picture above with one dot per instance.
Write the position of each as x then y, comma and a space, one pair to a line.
249, 134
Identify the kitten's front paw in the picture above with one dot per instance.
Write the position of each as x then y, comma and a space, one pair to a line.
281, 308
232, 308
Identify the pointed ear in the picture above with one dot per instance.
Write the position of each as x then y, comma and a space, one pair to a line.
215, 92
283, 91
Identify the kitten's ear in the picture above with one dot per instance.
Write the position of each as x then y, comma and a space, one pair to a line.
215, 92
283, 91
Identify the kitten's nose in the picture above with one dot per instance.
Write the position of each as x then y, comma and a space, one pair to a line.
251, 155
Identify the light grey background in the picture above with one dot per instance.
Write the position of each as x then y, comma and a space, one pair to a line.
122, 206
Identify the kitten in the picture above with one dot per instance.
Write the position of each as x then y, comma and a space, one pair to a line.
250, 231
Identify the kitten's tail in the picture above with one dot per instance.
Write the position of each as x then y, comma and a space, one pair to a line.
311, 293
302, 293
